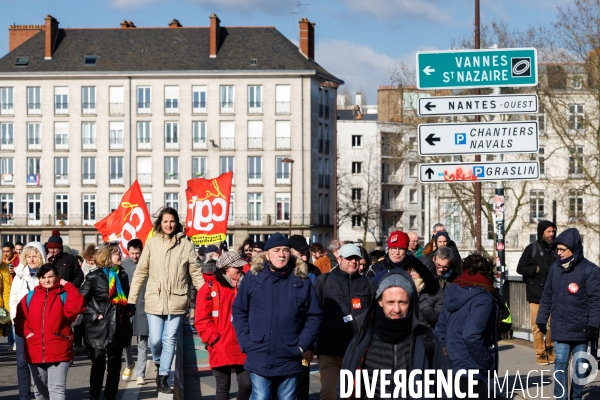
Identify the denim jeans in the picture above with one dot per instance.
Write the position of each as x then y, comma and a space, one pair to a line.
282, 387
563, 350
50, 380
142, 355
163, 339
11, 336
23, 373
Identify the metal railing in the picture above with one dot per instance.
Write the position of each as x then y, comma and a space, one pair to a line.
171, 177
88, 108
227, 143
392, 205
61, 142
283, 107
270, 220
255, 142
227, 107
199, 143
144, 143
143, 108
61, 108
116, 142
282, 143
144, 179
393, 179
61, 179
116, 179
7, 109
116, 108
34, 108
88, 179
254, 107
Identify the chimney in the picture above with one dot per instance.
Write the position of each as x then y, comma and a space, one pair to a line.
358, 98
127, 24
215, 27
174, 24
307, 38
19, 34
51, 34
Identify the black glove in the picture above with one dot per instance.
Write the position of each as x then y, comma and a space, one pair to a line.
542, 328
590, 333
130, 309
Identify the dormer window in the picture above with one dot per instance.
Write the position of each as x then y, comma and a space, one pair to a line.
253, 62
22, 61
90, 61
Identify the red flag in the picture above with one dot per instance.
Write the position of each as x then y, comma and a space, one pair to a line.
131, 220
208, 208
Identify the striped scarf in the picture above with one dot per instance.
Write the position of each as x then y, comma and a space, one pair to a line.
115, 292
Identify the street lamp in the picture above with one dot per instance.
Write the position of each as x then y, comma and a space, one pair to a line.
290, 161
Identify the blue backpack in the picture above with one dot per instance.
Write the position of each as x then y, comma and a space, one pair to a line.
63, 297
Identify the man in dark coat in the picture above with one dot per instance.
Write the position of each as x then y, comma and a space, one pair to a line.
534, 265
392, 338
276, 316
66, 264
397, 247
572, 296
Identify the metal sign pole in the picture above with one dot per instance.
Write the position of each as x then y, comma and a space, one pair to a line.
477, 213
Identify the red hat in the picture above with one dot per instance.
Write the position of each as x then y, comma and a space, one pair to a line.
55, 240
398, 239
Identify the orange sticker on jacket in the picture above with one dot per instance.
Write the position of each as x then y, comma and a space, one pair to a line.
356, 304
573, 288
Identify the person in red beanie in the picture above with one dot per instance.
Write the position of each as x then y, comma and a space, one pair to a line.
397, 245
66, 264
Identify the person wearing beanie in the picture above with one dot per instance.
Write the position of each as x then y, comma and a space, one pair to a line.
276, 315
391, 337
572, 296
301, 250
257, 248
66, 264
397, 247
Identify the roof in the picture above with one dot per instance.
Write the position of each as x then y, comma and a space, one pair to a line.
347, 115
163, 49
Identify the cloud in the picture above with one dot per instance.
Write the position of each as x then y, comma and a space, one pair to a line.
406, 9
132, 4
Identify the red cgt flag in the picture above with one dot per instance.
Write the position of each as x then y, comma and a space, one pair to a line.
130, 220
208, 208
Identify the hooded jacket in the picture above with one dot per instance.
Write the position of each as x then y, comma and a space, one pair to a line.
274, 315
528, 266
431, 297
68, 268
572, 294
23, 282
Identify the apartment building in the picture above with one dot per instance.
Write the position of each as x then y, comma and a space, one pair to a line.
86, 112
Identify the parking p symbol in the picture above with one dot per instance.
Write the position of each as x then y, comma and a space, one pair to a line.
479, 171
460, 138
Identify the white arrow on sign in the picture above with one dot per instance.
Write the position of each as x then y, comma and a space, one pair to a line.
478, 138
428, 70
479, 171
474, 105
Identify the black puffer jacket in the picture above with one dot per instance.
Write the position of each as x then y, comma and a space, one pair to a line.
68, 268
431, 297
544, 257
114, 329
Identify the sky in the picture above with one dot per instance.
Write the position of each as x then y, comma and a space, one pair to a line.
359, 41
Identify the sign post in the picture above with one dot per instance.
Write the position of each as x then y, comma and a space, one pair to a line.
479, 171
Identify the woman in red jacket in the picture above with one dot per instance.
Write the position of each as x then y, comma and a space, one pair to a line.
44, 318
213, 323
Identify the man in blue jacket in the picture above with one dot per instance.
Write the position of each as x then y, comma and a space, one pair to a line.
572, 295
276, 316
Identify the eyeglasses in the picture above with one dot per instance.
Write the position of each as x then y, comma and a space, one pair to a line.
561, 249
352, 258
397, 250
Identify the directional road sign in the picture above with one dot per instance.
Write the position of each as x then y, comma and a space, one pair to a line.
471, 105
478, 138
457, 69
479, 171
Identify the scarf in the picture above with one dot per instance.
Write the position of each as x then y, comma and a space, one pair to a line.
419, 283
566, 262
392, 330
5, 261
465, 280
278, 272
115, 292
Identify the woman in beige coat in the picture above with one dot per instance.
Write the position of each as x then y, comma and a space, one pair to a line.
166, 261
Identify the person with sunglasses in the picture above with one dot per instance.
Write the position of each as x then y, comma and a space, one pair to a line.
572, 296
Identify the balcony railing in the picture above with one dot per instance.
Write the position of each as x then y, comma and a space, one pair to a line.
227, 143
116, 179
199, 107
391, 206
143, 143
282, 178
61, 179
227, 107
7, 109
7, 144
7, 219
116, 108
171, 177
282, 143
255, 142
116, 142
88, 179
172, 144
61, 142
391, 179
268, 220
34, 144
144, 179
254, 178
34, 108
199, 143
88, 143
88, 108
254, 107
144, 108
61, 108
283, 107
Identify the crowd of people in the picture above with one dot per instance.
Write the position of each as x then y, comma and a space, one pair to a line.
265, 311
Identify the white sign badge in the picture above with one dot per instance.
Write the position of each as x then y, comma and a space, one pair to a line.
478, 138
479, 171
473, 105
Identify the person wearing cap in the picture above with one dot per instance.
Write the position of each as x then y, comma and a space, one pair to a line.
66, 264
392, 338
257, 248
396, 256
345, 297
276, 316
213, 323
211, 255
572, 296
301, 250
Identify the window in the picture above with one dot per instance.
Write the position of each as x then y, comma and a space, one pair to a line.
144, 136
198, 167
61, 171
409, 100
326, 178
356, 221
356, 141
116, 135
34, 100
226, 165
61, 135
357, 167
7, 136
88, 99
413, 197
227, 99
412, 222
326, 139
282, 175
171, 99
577, 82
115, 170
282, 202
34, 136
88, 169
254, 170
453, 221
7, 203
116, 100
34, 207
171, 169
172, 200
61, 207
171, 135
541, 119
144, 170
148, 200
231, 219
282, 99
412, 170
254, 99
22, 61
255, 208
114, 201
255, 133
199, 99
575, 160
576, 115
356, 194
542, 160
143, 100
89, 208
199, 134
536, 206
61, 100
7, 101
7, 171
88, 135
282, 135
227, 134
576, 207
34, 169
320, 171
90, 61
